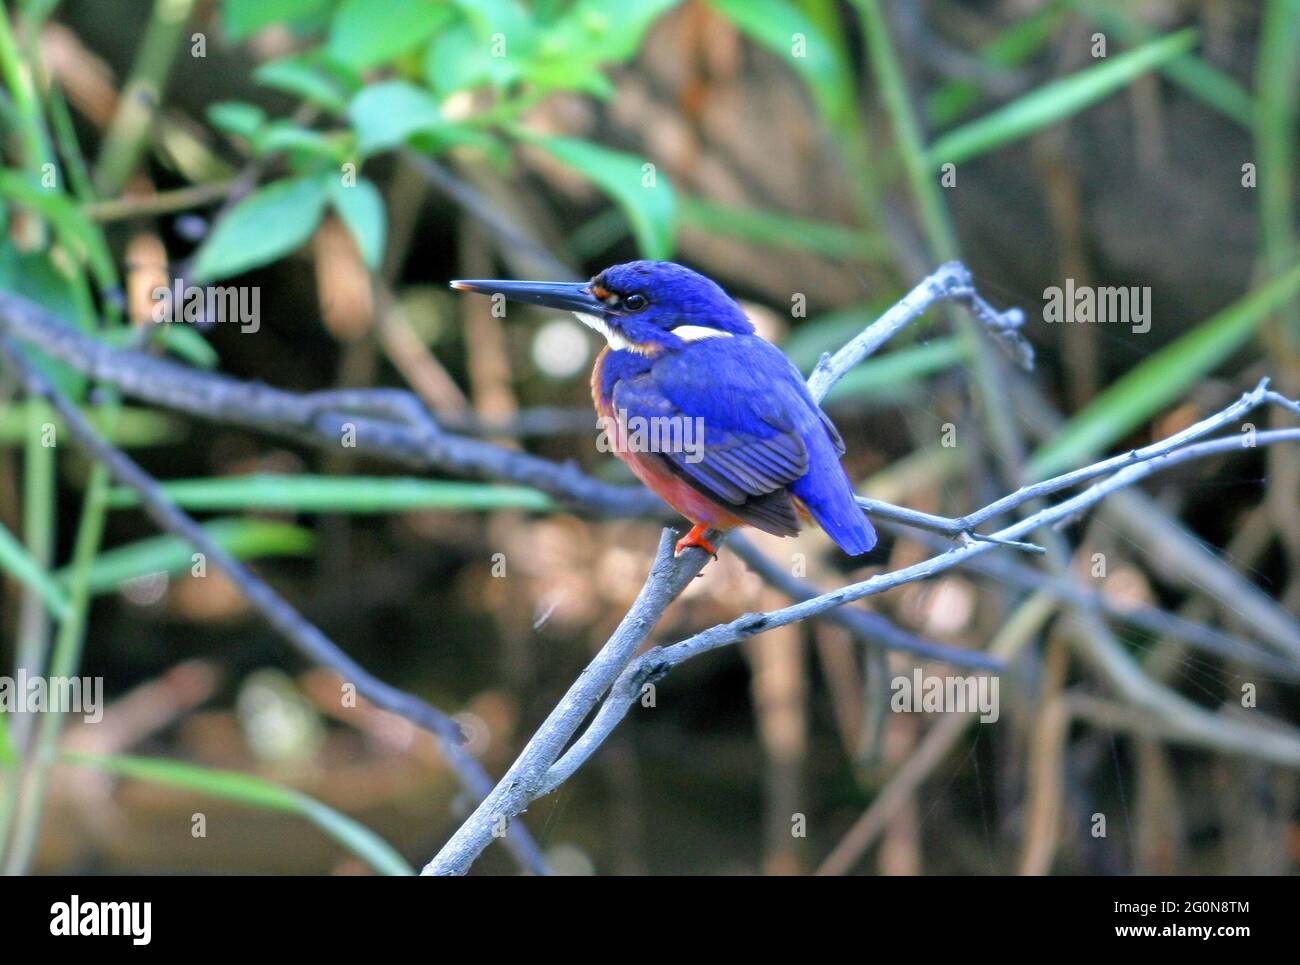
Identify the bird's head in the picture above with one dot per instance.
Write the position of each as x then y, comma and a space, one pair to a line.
641, 306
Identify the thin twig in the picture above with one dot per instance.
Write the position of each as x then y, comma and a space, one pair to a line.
160, 202
861, 623
1149, 618
1257, 397
950, 282
502, 228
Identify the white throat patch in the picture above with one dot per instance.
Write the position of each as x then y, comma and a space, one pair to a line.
615, 340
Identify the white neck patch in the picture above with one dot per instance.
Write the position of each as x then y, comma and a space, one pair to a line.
687, 333
694, 333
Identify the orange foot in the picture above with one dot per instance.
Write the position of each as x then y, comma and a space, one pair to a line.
695, 538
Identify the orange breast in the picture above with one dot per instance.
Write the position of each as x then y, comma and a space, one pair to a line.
652, 470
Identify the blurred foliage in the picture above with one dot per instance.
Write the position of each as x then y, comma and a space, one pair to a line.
435, 51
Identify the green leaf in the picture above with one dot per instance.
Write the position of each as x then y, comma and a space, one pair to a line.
242, 538
782, 230
18, 563
650, 207
752, 225
128, 428
460, 59
1277, 148
506, 17
34, 276
1161, 378
385, 115
436, 140
898, 369
569, 74
181, 340
362, 210
591, 34
72, 224
340, 494
779, 26
235, 117
1015, 45
253, 791
243, 18
602, 31
1055, 102
8, 755
293, 75
366, 33
1215, 88
270, 222
290, 138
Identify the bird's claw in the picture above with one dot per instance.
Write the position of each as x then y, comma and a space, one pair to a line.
695, 540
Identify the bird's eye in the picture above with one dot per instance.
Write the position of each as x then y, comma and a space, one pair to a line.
634, 303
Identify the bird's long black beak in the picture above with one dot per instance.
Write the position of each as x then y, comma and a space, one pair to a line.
569, 296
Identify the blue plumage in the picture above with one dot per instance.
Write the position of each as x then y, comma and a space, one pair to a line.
682, 350
758, 414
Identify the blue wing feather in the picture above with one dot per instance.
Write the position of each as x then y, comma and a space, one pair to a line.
764, 436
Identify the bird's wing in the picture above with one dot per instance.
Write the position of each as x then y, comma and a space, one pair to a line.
837, 440
747, 420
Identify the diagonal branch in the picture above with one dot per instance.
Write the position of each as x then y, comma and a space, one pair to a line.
300, 632
1279, 747
318, 418
863, 624
1257, 397
669, 575
530, 777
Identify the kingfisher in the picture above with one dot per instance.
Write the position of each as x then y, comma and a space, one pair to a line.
681, 354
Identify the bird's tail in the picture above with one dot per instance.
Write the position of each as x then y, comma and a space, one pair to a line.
827, 494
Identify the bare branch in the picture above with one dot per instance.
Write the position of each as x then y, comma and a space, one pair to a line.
865, 625
1149, 618
1257, 397
657, 662
316, 418
300, 632
950, 282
